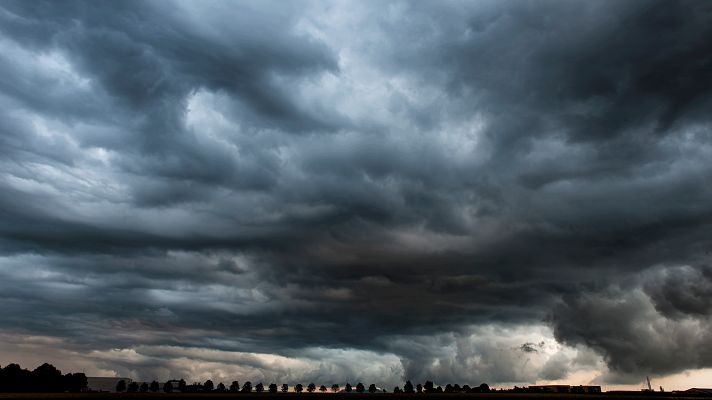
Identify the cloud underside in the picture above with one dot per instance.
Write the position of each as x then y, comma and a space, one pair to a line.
494, 191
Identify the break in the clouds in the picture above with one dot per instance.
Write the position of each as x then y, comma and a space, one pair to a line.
494, 191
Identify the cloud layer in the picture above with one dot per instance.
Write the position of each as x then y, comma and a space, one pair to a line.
324, 186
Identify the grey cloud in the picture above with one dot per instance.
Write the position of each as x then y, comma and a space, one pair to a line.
648, 327
573, 68
379, 177
681, 291
529, 347
486, 354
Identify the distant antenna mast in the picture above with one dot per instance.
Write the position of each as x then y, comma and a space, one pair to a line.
650, 388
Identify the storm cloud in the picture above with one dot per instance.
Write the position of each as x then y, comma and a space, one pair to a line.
498, 191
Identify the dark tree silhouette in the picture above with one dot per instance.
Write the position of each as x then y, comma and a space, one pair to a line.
429, 387
15, 379
47, 378
75, 382
235, 387
419, 388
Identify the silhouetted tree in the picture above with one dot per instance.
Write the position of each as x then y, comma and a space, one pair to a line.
484, 388
419, 388
132, 388
335, 388
298, 388
208, 386
360, 388
348, 388
456, 388
154, 386
372, 388
285, 388
121, 386
143, 388
75, 382
322, 388
466, 389
168, 387
311, 387
15, 379
438, 389
221, 388
182, 386
47, 378
448, 388
259, 388
429, 387
396, 390
408, 387
273, 388
235, 387
247, 387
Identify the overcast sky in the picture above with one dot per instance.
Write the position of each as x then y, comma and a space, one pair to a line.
498, 191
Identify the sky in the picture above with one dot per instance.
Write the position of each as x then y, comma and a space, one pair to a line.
510, 192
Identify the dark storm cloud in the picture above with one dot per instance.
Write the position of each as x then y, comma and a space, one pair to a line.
657, 326
149, 59
680, 292
261, 177
588, 71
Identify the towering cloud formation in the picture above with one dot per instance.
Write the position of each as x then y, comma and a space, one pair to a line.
458, 191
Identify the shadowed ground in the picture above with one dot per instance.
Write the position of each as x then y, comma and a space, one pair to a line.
343, 396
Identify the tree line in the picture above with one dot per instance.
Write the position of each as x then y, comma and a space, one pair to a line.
43, 379
208, 386
46, 379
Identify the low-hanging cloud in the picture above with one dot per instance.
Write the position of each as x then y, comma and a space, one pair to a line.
658, 326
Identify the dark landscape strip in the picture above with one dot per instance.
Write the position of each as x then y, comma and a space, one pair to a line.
355, 396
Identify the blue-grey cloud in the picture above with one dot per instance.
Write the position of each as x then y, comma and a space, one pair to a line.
273, 178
